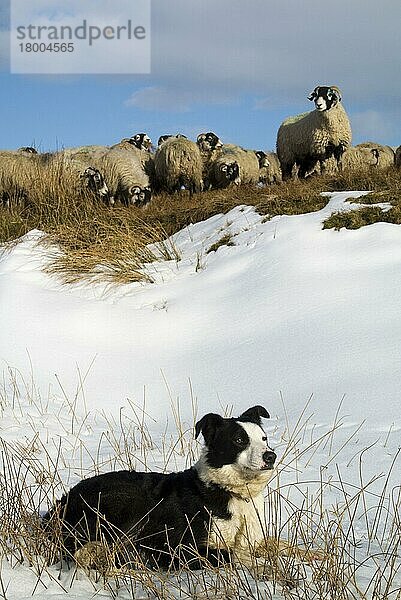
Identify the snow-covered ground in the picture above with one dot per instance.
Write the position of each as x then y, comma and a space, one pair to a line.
304, 321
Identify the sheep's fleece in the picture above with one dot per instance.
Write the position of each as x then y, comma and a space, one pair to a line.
314, 137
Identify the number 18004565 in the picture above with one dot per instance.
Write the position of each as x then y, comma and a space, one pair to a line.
43, 47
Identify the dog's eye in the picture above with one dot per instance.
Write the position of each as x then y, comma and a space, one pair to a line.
264, 438
239, 440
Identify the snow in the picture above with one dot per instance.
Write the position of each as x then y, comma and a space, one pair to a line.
292, 316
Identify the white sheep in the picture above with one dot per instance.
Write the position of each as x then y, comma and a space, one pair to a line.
165, 137
208, 142
223, 172
232, 164
385, 154
21, 172
125, 177
314, 137
209, 145
178, 165
141, 141
362, 157
145, 157
247, 161
269, 167
123, 170
27, 150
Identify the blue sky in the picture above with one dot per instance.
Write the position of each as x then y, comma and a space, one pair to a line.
235, 67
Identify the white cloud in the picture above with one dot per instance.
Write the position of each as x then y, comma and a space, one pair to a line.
278, 50
159, 98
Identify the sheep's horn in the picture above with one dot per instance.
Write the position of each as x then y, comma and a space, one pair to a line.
336, 89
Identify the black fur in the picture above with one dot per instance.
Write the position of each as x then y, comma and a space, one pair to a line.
163, 517
330, 95
153, 514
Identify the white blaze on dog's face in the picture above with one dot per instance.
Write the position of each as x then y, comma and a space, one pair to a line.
256, 456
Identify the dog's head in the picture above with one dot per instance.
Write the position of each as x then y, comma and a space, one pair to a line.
239, 442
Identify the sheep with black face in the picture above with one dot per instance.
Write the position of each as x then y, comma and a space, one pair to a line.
316, 136
178, 165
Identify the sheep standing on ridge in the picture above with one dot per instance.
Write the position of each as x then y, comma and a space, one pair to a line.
178, 165
247, 161
269, 167
209, 145
223, 172
143, 153
21, 173
316, 136
385, 154
166, 137
126, 179
122, 169
27, 150
141, 141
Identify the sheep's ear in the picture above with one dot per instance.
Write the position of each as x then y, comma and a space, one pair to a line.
254, 414
208, 426
313, 95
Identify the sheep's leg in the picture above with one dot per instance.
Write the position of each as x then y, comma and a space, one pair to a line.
286, 169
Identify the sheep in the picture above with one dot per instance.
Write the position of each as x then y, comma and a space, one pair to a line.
178, 165
357, 158
209, 145
141, 141
397, 158
91, 177
122, 168
208, 142
22, 172
223, 172
27, 150
385, 154
126, 179
247, 160
145, 157
367, 156
314, 137
269, 167
163, 138
235, 165
18, 174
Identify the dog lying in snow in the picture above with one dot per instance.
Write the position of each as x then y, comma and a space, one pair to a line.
212, 511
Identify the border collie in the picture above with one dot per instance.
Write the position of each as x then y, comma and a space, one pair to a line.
213, 510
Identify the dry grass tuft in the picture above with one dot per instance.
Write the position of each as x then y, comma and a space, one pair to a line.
111, 244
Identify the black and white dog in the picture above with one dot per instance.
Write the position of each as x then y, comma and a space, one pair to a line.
214, 509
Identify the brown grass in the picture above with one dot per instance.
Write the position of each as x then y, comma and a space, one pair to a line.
111, 244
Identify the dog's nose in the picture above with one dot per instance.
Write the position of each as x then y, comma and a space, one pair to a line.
269, 457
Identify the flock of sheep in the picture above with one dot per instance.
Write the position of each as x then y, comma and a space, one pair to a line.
130, 171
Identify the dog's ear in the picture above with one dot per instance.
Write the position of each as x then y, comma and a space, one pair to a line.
208, 426
254, 414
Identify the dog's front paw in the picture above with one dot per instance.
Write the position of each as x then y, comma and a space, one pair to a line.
94, 555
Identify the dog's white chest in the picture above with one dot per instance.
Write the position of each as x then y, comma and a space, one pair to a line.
244, 528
